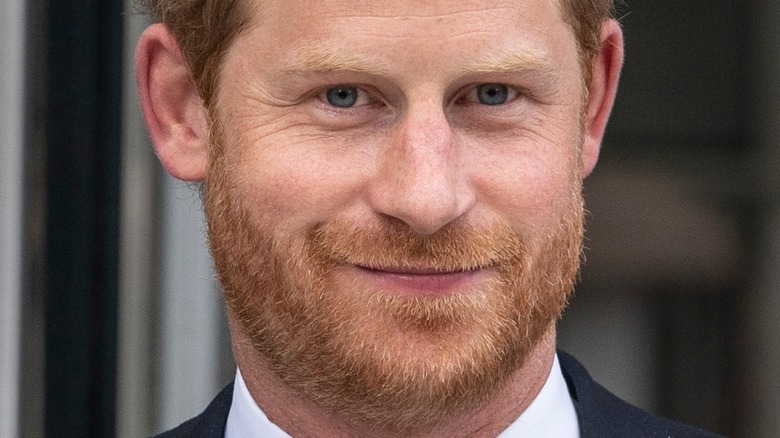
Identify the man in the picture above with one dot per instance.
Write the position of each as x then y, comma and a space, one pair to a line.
393, 197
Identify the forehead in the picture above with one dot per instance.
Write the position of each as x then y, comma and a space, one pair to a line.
408, 14
407, 36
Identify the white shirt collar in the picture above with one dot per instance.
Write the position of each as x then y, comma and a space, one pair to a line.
246, 419
550, 414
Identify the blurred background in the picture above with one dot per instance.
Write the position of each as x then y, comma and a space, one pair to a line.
112, 323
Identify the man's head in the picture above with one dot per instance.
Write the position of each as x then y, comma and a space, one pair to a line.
392, 190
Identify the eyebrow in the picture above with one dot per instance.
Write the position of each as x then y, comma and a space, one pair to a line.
333, 60
512, 61
330, 60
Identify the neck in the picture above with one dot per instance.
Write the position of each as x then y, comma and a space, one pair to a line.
302, 418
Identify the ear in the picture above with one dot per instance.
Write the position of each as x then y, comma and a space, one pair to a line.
602, 90
174, 113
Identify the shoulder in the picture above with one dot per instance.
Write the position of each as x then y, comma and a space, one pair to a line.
602, 414
210, 424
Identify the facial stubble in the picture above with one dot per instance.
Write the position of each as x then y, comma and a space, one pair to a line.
371, 357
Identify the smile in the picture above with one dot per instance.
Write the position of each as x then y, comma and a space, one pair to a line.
423, 281
417, 271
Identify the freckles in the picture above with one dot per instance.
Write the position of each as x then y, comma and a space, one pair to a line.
299, 188
528, 189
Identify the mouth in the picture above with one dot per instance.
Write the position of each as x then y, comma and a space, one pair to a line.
416, 271
417, 281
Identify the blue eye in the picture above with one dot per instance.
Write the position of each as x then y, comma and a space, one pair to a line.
492, 94
342, 97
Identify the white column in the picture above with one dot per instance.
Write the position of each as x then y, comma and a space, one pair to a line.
136, 411
191, 323
12, 31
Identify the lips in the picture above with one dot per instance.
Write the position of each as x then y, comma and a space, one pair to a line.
416, 270
422, 281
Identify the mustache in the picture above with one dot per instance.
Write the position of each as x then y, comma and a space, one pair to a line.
388, 243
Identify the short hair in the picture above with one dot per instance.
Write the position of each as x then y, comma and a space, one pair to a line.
205, 29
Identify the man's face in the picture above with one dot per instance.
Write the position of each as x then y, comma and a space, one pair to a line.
393, 197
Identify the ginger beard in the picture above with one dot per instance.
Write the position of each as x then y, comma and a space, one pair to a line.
372, 358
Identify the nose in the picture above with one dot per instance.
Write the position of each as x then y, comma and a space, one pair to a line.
422, 179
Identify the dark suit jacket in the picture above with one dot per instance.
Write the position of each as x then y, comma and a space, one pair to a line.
601, 414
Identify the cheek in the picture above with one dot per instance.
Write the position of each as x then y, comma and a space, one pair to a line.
534, 195
531, 182
297, 180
